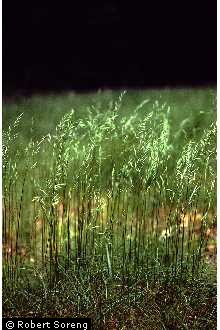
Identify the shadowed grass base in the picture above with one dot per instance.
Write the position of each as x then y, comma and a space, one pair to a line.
117, 302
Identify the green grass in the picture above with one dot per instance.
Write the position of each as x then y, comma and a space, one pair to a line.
185, 103
109, 209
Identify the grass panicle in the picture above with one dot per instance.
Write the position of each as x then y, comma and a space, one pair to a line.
111, 209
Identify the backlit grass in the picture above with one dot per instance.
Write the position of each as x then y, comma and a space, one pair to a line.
112, 208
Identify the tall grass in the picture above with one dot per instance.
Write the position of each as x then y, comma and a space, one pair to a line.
111, 197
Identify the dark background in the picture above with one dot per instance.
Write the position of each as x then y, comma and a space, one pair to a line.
108, 44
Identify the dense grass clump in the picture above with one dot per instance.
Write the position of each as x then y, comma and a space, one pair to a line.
112, 215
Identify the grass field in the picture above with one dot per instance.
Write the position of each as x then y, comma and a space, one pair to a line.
109, 208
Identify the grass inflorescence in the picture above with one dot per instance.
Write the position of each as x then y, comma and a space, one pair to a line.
112, 215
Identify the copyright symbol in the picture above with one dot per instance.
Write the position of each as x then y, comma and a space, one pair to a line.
10, 325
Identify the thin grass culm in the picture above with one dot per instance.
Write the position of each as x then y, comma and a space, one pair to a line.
111, 215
